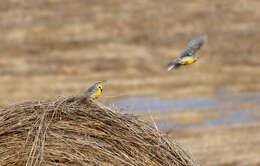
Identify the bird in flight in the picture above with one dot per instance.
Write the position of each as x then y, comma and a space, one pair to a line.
188, 54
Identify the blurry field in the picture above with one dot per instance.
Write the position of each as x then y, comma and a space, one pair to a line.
227, 146
56, 47
53, 48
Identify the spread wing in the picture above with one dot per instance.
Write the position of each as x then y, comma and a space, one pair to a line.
193, 46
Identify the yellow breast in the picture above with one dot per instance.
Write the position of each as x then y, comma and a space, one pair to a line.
192, 60
99, 92
188, 60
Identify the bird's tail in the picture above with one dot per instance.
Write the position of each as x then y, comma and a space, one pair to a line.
79, 98
173, 65
71, 99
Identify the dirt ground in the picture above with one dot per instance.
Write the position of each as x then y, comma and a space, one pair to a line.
53, 48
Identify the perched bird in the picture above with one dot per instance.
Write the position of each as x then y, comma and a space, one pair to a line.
92, 93
188, 54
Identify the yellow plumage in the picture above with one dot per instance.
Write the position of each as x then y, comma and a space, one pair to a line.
188, 60
192, 60
99, 91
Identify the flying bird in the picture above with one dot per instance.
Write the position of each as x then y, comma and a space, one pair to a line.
188, 54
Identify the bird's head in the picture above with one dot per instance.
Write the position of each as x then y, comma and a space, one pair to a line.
100, 84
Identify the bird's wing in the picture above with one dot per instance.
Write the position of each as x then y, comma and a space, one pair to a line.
193, 46
90, 90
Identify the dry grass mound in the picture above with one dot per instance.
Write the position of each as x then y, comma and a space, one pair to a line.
62, 133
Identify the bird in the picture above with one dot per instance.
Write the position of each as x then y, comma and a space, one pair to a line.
91, 93
188, 54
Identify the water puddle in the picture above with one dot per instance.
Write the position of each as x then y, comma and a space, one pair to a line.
235, 117
139, 105
144, 104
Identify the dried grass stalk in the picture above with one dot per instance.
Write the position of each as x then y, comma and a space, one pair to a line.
73, 133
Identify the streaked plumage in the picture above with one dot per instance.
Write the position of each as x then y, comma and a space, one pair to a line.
188, 54
93, 92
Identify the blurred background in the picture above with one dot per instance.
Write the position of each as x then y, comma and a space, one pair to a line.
52, 48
